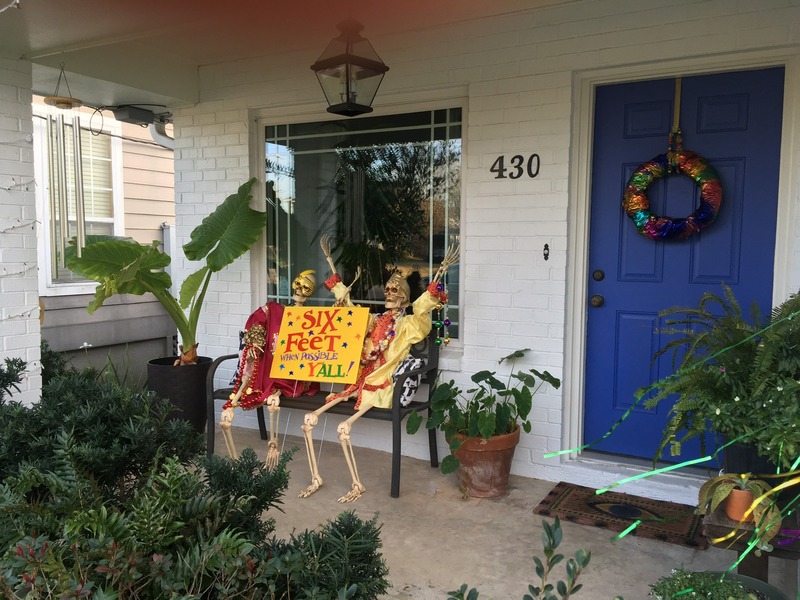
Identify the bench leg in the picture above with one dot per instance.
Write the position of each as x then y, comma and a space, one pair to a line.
434, 448
432, 445
210, 429
262, 426
396, 451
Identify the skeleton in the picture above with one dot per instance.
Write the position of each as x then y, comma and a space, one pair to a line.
254, 387
389, 338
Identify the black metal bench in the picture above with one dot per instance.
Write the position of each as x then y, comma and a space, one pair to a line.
427, 349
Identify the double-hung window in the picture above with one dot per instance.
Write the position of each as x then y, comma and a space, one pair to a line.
384, 190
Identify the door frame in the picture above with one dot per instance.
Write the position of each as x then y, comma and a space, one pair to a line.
584, 84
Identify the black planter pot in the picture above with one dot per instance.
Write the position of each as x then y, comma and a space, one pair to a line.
741, 458
770, 592
184, 386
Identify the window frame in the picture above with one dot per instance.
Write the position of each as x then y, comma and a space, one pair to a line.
298, 114
110, 127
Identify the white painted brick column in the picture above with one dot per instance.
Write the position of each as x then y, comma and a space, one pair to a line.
19, 293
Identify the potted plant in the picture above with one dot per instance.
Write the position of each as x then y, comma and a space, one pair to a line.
737, 494
482, 425
712, 586
734, 377
124, 266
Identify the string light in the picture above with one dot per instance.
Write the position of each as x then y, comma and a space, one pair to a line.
25, 268
23, 315
19, 224
21, 186
14, 4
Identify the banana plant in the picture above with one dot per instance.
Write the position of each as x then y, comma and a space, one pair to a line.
121, 265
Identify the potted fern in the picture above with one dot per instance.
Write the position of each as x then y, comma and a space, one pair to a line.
482, 425
735, 377
124, 266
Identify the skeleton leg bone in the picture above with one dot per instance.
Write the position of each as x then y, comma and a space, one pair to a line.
309, 422
225, 422
347, 446
274, 407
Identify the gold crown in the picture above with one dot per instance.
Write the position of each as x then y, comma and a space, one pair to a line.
309, 275
401, 282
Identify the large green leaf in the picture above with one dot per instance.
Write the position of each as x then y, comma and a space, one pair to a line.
120, 266
190, 287
486, 424
228, 232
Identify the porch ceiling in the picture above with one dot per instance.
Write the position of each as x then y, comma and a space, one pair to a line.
149, 51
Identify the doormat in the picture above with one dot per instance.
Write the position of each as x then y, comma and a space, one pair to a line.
664, 521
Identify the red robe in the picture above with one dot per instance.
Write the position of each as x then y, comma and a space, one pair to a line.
261, 386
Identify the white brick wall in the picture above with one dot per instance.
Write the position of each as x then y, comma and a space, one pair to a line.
19, 309
516, 75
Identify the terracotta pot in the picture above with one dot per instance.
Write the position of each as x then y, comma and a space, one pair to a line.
737, 503
486, 464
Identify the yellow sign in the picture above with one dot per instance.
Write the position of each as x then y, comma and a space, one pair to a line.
320, 343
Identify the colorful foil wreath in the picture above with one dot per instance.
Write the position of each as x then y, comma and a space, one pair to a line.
637, 205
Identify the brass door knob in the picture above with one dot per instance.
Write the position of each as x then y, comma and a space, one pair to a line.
597, 301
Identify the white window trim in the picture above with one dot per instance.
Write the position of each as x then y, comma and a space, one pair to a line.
109, 126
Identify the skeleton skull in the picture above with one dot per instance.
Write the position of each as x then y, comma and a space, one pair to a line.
303, 286
396, 292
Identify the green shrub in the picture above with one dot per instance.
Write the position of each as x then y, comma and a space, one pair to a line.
10, 376
342, 554
102, 497
54, 363
118, 433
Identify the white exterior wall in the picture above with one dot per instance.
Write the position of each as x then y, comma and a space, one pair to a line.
19, 309
525, 81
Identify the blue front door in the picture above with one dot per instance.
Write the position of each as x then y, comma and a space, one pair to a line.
733, 120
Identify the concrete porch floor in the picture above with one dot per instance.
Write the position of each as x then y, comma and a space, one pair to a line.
434, 539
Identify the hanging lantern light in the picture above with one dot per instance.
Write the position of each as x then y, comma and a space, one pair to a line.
349, 72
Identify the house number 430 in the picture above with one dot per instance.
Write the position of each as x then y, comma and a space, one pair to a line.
519, 166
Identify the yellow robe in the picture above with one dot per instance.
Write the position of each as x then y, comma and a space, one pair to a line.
377, 388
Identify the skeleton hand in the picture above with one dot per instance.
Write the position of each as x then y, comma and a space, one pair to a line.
325, 244
345, 299
450, 258
359, 270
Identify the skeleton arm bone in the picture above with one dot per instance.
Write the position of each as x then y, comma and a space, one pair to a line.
274, 407
340, 291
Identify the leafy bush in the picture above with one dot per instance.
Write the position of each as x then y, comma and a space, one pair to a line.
10, 376
54, 363
118, 433
102, 498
